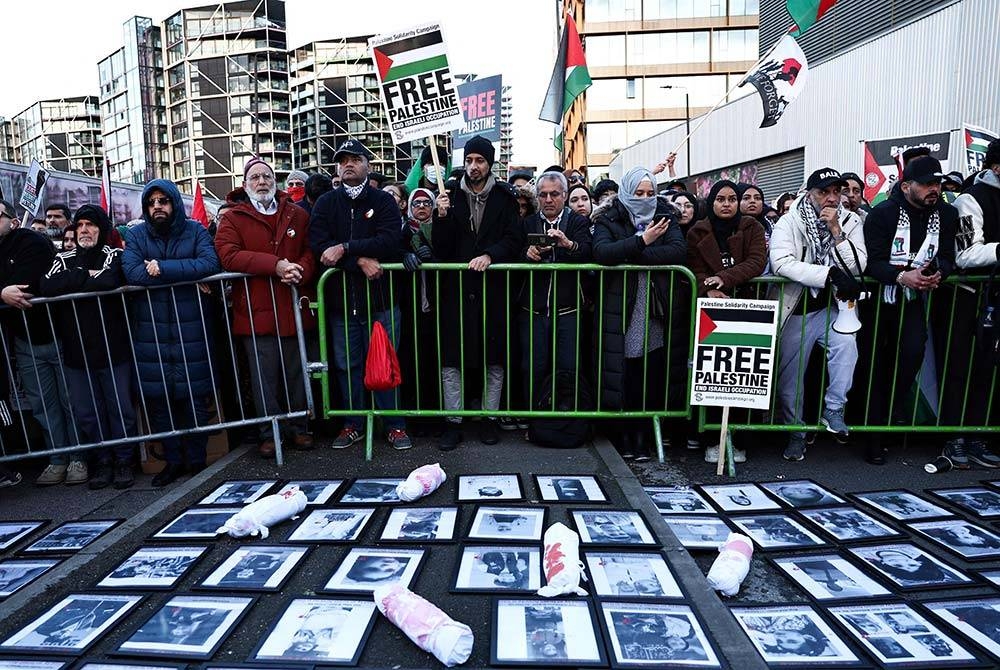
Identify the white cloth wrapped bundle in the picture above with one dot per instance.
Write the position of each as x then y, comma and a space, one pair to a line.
427, 626
562, 564
258, 516
421, 482
732, 565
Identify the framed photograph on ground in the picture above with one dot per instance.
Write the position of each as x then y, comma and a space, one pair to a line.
896, 635
490, 487
739, 497
674, 500
510, 524
961, 537
188, 626
364, 569
799, 493
420, 524
318, 491
255, 568
325, 631
848, 524
777, 531
976, 500
371, 492
644, 575
654, 635
22, 663
570, 488
197, 523
545, 632
17, 573
237, 493
909, 567
72, 625
830, 577
70, 537
12, 532
902, 505
698, 532
507, 569
794, 635
152, 568
332, 525
612, 527
128, 665
992, 576
976, 618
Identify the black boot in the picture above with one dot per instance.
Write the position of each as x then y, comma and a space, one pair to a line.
874, 450
643, 443
170, 473
626, 443
103, 477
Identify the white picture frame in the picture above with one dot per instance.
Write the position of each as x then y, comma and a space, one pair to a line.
420, 524
508, 524
72, 625
240, 492
153, 568
188, 626
327, 631
656, 635
633, 575
364, 569
793, 635
332, 525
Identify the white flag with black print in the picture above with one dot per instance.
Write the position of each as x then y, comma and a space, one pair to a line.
779, 78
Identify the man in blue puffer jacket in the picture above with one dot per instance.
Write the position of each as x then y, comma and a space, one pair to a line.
169, 332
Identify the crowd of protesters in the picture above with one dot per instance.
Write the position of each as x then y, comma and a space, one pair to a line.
499, 342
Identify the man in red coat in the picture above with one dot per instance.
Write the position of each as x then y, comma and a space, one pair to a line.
264, 233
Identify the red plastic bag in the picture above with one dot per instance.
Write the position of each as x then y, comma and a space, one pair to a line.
382, 367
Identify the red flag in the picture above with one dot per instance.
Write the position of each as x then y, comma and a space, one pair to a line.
106, 189
874, 177
198, 212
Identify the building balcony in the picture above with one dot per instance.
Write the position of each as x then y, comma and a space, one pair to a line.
647, 114
669, 69
667, 25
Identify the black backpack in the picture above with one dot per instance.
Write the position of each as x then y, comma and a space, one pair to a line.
559, 432
988, 329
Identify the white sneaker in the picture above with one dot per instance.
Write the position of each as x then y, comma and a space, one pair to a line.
712, 455
76, 473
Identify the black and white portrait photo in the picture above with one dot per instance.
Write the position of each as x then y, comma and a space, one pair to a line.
332, 525
421, 524
188, 626
255, 568
12, 532
570, 488
799, 493
197, 523
316, 491
968, 540
153, 568
16, 574
895, 633
496, 568
848, 524
545, 632
793, 634
371, 492
597, 527
514, 524
678, 500
237, 493
776, 531
72, 624
976, 500
364, 569
698, 532
976, 618
656, 635
71, 537
739, 497
319, 630
902, 505
22, 663
909, 567
128, 665
830, 577
489, 487
631, 575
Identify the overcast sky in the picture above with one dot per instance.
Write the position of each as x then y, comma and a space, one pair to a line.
51, 49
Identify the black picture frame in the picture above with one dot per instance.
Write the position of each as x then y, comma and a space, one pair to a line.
898, 635
330, 525
264, 568
423, 525
318, 491
929, 572
649, 624
123, 664
575, 489
15, 532
237, 492
907, 506
698, 532
847, 524
802, 493
371, 491
25, 663
16, 573
612, 528
978, 501
503, 487
502, 523
964, 539
777, 532
498, 569
543, 628
209, 620
976, 618
739, 497
86, 533
279, 635
253, 666
354, 576
195, 523
990, 576
635, 575
805, 629
72, 612
829, 577
678, 500
153, 568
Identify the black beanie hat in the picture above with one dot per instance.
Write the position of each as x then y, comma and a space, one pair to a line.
992, 155
603, 187
482, 146
426, 159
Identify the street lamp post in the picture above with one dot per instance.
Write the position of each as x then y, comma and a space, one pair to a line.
687, 124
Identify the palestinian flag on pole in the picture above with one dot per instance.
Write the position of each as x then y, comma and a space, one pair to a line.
977, 140
874, 177
807, 12
570, 78
411, 56
736, 327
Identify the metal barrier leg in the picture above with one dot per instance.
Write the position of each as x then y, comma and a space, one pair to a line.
369, 429
658, 438
278, 457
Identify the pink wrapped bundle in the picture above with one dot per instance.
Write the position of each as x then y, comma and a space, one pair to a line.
258, 516
428, 627
563, 568
732, 565
421, 482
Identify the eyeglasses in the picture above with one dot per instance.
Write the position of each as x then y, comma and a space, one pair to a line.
546, 195
420, 203
159, 201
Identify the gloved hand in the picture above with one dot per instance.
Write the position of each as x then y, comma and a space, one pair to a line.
424, 252
411, 262
845, 286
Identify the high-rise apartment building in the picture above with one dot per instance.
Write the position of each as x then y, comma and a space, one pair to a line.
6, 140
62, 134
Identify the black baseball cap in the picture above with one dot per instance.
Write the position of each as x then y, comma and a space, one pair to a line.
847, 176
354, 148
7, 209
923, 170
824, 177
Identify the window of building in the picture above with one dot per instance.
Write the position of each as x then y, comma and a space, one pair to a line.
630, 88
606, 50
744, 7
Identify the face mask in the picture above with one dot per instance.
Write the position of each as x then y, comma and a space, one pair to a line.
431, 173
296, 192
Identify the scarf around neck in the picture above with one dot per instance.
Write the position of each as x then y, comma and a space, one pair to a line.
820, 239
641, 209
353, 192
477, 201
900, 254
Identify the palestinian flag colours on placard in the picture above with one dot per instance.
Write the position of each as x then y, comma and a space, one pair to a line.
570, 78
